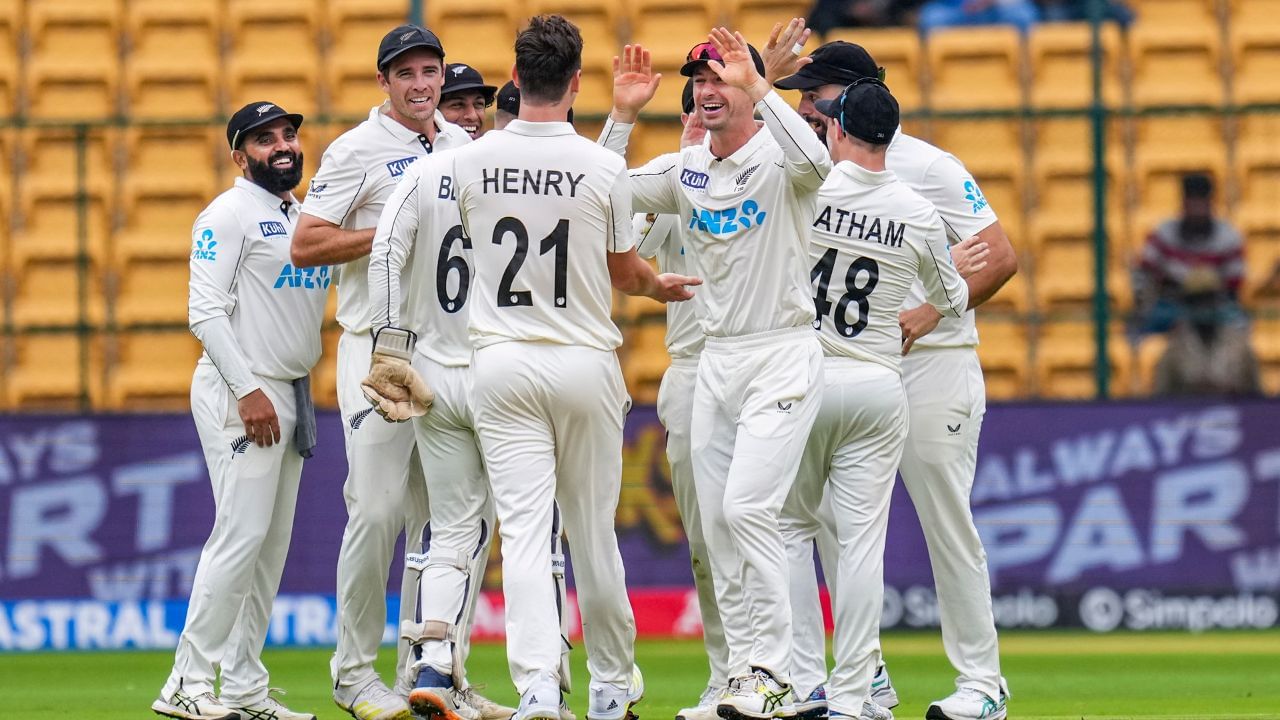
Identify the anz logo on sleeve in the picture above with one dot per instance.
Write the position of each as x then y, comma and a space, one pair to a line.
728, 221
306, 278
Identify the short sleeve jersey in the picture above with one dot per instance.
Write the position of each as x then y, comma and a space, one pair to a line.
662, 237
357, 174
942, 180
241, 269
873, 238
542, 207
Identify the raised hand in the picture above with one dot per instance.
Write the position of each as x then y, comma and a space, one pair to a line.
693, 132
634, 83
780, 56
737, 70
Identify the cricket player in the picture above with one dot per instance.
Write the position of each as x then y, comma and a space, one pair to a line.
662, 237
548, 216
871, 239
747, 195
464, 97
258, 318
385, 490
947, 401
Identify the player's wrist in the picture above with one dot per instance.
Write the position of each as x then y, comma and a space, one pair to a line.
759, 89
624, 116
394, 342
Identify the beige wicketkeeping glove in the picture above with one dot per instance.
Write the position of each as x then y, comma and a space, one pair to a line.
395, 389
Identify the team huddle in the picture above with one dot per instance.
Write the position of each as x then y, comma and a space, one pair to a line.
819, 269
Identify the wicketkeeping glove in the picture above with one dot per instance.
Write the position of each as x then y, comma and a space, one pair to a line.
395, 389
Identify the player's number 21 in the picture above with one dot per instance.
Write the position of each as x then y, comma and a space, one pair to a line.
557, 242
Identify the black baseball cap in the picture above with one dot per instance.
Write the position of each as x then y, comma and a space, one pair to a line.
866, 110
406, 37
704, 51
256, 114
508, 100
459, 77
686, 97
835, 63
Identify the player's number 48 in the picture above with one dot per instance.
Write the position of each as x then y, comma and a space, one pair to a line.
862, 268
557, 243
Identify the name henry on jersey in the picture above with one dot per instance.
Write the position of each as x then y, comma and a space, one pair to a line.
514, 181
871, 229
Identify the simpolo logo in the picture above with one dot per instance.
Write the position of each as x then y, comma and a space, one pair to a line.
694, 179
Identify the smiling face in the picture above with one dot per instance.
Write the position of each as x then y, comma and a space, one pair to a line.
817, 120
412, 82
465, 109
717, 105
271, 156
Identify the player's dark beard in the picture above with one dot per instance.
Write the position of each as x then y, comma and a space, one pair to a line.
819, 125
274, 180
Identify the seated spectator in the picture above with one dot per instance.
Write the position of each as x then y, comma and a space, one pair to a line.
828, 15
1208, 352
1078, 11
1178, 246
936, 14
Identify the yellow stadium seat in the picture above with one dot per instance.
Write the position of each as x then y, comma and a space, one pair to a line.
153, 291
1064, 280
1165, 149
169, 177
55, 371
152, 370
992, 152
755, 18
355, 29
1261, 256
1065, 196
654, 138
324, 377
1163, 14
73, 71
1266, 343
1015, 296
48, 294
1066, 360
897, 50
1004, 351
8, 151
461, 23
669, 29
645, 361
1061, 57
274, 54
1176, 65
598, 21
49, 188
1254, 14
10, 57
629, 310
1255, 53
975, 68
1067, 144
160, 31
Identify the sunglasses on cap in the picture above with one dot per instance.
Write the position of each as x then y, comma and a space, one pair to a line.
703, 51
860, 81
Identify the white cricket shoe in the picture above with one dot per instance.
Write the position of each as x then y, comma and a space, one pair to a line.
542, 700
372, 701
607, 702
870, 711
484, 707
706, 707
193, 707
758, 696
434, 698
882, 691
813, 707
968, 703
270, 709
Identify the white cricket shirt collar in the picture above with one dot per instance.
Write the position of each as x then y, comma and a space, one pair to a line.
539, 129
260, 194
380, 116
863, 175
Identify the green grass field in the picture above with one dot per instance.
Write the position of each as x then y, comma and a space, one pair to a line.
1052, 675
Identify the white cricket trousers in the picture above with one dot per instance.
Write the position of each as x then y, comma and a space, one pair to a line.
675, 411
756, 399
386, 495
254, 493
461, 512
854, 451
807, 521
948, 399
550, 422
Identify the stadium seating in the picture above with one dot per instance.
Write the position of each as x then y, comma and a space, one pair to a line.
1176, 65
756, 18
73, 71
274, 54
898, 51
488, 25
355, 29
10, 57
651, 139
1003, 352
1260, 14
168, 178
1266, 343
1255, 60
157, 84
48, 194
1165, 14
151, 292
1065, 361
598, 22
1261, 256
1165, 149
992, 150
669, 28
1061, 56
645, 361
47, 294
152, 370
975, 68
1064, 262
54, 371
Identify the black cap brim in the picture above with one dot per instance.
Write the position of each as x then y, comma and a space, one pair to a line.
490, 92
801, 81
295, 119
830, 108
439, 51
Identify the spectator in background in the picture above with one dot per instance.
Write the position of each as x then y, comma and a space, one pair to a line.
1177, 247
828, 15
1078, 11
1208, 351
936, 14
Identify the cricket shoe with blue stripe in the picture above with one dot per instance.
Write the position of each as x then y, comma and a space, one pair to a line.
434, 698
270, 709
706, 707
193, 707
813, 707
608, 702
758, 696
372, 701
882, 691
968, 703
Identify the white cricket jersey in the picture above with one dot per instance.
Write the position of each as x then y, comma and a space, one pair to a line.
662, 237
241, 269
872, 239
421, 221
542, 207
747, 216
942, 180
356, 176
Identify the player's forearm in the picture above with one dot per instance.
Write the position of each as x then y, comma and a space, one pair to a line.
805, 155
385, 266
616, 134
220, 344
631, 275
1002, 264
316, 242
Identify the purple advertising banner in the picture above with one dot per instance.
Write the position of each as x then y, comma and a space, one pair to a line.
1123, 514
